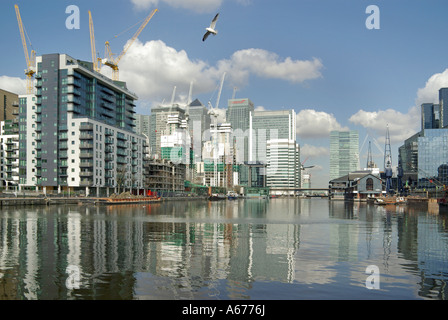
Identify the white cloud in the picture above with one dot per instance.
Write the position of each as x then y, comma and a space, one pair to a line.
430, 93
308, 151
401, 125
259, 108
13, 84
200, 6
316, 124
269, 65
152, 69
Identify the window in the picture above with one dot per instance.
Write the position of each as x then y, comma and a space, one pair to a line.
369, 184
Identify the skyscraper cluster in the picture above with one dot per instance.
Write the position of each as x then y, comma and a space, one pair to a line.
250, 148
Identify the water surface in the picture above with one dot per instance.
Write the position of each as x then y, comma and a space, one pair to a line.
245, 249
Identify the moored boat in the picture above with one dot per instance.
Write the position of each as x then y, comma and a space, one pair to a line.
232, 195
217, 196
390, 200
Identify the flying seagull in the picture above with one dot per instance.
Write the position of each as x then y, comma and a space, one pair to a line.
211, 29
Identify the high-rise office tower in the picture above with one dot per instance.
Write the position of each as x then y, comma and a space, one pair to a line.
238, 115
267, 125
142, 124
432, 158
430, 116
283, 166
84, 130
443, 103
198, 122
344, 153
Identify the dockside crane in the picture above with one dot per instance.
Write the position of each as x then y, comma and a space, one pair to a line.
388, 162
95, 60
112, 62
29, 57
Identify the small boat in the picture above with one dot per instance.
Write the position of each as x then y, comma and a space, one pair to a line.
217, 196
232, 195
114, 201
380, 202
390, 200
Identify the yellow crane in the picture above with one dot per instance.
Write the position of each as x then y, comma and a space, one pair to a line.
95, 60
110, 61
29, 57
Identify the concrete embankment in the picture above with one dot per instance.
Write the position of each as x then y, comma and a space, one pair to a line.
41, 201
31, 201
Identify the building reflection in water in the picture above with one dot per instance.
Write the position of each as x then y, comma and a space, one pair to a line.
206, 250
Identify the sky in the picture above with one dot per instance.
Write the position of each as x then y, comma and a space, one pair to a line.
317, 57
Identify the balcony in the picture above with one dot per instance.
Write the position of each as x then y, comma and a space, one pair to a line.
86, 174
121, 152
72, 90
109, 149
84, 145
85, 164
86, 183
85, 136
107, 106
121, 160
109, 175
121, 136
86, 155
109, 140
74, 82
63, 145
86, 126
73, 99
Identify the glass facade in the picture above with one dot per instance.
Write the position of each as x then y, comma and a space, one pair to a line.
283, 167
238, 115
433, 158
252, 174
430, 116
344, 153
268, 125
443, 102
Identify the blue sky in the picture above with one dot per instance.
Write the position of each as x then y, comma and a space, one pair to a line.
315, 56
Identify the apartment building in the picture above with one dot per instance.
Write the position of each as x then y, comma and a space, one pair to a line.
78, 133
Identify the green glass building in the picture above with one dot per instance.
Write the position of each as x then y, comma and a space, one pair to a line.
344, 153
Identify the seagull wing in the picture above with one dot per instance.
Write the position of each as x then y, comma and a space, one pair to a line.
206, 35
213, 24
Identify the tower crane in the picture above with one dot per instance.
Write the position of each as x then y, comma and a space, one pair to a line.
112, 62
219, 93
29, 57
95, 60
302, 165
